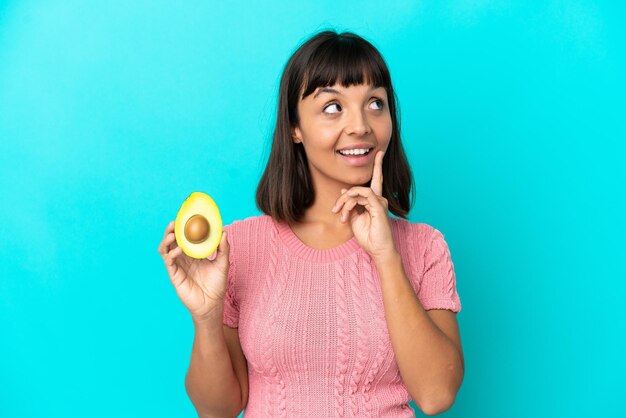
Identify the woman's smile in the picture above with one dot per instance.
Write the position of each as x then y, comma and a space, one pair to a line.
358, 160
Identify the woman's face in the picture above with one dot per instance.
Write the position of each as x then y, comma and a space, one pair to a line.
336, 117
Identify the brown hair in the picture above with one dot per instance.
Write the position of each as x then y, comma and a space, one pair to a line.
286, 190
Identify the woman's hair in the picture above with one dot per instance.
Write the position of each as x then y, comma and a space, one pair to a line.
286, 190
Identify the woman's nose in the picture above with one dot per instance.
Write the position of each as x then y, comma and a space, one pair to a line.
358, 124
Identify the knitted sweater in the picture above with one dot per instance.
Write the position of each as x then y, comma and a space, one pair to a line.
312, 323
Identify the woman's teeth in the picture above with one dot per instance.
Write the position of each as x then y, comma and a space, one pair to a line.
355, 152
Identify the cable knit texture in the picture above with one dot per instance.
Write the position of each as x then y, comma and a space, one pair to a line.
312, 324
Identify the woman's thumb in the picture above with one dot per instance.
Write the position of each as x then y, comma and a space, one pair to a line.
224, 247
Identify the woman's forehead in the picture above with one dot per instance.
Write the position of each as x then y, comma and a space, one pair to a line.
340, 90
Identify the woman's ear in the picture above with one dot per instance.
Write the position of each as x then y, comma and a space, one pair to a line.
296, 136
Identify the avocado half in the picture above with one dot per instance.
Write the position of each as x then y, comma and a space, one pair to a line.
198, 226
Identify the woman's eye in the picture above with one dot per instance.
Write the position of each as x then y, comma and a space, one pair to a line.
331, 105
381, 103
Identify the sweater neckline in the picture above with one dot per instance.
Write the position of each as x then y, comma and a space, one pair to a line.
299, 248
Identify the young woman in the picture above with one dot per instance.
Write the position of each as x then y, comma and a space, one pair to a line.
325, 305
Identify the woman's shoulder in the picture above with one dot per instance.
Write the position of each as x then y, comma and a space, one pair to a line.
418, 242
421, 247
248, 230
418, 233
248, 222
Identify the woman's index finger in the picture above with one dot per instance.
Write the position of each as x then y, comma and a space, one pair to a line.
377, 176
170, 228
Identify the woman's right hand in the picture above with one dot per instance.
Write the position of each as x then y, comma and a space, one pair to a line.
200, 283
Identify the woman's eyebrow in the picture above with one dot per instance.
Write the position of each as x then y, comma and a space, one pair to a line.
331, 90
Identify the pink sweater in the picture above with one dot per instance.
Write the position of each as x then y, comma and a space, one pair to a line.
312, 324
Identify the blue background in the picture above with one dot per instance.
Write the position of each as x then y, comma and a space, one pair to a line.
113, 112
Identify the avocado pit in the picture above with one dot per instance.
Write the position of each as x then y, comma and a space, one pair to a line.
197, 229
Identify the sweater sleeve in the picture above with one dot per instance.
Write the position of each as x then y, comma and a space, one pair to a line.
438, 285
231, 305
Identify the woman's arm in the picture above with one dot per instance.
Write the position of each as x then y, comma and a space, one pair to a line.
211, 382
430, 361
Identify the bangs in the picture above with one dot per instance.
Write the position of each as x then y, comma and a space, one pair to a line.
347, 61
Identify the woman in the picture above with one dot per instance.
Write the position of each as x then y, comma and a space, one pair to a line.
325, 305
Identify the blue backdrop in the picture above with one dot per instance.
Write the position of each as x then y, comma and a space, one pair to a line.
113, 112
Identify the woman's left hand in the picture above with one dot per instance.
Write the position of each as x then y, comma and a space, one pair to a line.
371, 227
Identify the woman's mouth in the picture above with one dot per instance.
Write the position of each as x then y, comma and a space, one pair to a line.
357, 158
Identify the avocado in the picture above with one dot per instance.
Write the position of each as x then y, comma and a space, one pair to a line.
198, 226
